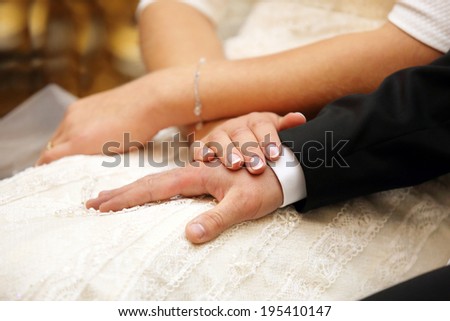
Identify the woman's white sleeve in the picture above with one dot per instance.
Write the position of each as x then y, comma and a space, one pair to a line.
426, 20
213, 9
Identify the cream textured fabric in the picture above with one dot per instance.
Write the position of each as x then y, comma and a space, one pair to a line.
213, 9
54, 249
256, 27
432, 28
425, 20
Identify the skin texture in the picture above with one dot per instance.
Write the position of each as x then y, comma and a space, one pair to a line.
302, 79
175, 44
241, 196
247, 140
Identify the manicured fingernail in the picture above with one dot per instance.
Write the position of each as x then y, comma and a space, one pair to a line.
301, 114
233, 159
272, 150
207, 153
197, 230
256, 163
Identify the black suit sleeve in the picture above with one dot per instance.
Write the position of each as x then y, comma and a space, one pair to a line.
395, 137
430, 286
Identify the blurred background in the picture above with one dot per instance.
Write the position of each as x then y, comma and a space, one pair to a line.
85, 46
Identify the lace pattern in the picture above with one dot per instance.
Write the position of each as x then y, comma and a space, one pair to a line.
341, 240
55, 249
61, 251
422, 220
247, 262
297, 23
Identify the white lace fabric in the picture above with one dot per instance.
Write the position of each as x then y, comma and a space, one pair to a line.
55, 249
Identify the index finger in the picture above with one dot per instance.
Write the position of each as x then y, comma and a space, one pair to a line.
156, 187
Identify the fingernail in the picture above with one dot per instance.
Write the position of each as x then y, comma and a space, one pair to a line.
256, 163
197, 230
272, 150
301, 114
207, 153
233, 159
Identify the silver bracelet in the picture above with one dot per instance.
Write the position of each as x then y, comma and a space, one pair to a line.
198, 104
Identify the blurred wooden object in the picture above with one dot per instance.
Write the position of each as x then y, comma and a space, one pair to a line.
85, 46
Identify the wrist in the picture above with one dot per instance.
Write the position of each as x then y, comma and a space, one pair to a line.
291, 177
276, 188
172, 93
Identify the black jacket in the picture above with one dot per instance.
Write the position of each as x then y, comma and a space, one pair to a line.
397, 136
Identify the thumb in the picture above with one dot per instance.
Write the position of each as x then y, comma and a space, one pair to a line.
291, 120
211, 224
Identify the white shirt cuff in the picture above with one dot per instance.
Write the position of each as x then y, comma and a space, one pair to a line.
290, 175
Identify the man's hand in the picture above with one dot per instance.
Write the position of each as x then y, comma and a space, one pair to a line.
249, 140
241, 196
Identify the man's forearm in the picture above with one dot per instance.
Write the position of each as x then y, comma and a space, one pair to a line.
174, 34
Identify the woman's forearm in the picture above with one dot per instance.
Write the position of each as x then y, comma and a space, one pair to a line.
175, 34
302, 79
306, 78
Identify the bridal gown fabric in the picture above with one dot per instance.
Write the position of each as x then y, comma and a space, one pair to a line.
52, 248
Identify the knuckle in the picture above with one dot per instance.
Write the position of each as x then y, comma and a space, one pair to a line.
214, 137
217, 143
256, 122
237, 132
103, 193
215, 219
210, 184
149, 195
254, 115
149, 183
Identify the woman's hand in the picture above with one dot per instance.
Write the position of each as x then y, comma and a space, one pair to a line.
135, 109
249, 140
91, 122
